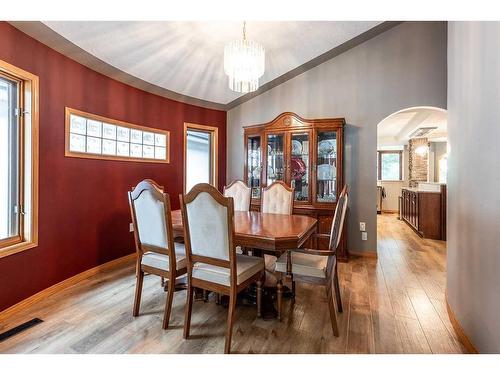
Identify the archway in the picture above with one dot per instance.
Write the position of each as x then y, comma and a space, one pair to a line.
411, 164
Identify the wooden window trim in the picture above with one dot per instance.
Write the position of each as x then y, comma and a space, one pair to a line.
214, 134
18, 238
379, 161
28, 100
83, 155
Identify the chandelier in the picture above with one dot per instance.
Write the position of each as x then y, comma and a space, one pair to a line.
244, 63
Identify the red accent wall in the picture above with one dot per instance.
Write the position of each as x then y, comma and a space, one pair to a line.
83, 208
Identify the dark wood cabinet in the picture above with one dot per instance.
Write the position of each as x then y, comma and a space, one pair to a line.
305, 154
425, 212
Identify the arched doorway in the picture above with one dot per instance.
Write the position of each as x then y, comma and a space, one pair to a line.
412, 152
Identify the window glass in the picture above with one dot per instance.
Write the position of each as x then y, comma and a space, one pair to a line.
389, 165
9, 160
198, 158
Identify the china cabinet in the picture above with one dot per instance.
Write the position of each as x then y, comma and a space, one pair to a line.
305, 154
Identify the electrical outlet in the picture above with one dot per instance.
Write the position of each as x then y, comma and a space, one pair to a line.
362, 226
364, 236
131, 227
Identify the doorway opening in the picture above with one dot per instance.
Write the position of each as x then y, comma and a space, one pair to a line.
412, 154
200, 155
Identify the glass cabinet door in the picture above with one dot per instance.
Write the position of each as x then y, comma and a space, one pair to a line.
254, 164
275, 158
299, 165
326, 166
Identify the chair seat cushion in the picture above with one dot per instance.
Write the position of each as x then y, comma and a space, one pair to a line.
246, 267
162, 262
304, 264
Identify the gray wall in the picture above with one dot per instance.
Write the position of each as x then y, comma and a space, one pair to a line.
401, 68
473, 283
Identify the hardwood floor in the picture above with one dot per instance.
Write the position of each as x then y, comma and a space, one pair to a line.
393, 304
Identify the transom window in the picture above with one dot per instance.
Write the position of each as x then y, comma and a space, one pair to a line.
18, 159
97, 137
390, 165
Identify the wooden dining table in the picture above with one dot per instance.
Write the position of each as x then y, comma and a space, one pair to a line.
256, 230
273, 233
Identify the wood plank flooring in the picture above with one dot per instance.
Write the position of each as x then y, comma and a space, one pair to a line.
393, 304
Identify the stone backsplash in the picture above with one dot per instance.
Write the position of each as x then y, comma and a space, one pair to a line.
418, 162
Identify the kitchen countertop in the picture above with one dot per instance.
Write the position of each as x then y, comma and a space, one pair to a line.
422, 190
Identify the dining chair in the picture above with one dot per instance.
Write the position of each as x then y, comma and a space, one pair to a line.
157, 253
241, 194
316, 266
161, 188
242, 197
212, 262
277, 198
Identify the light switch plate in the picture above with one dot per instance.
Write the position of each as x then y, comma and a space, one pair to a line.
364, 236
131, 227
362, 226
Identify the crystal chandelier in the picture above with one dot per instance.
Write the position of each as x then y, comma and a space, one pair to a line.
244, 63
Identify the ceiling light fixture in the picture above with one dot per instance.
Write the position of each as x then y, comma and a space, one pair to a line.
421, 150
244, 63
420, 132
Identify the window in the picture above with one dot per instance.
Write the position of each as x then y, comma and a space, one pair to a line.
18, 159
200, 155
97, 137
390, 165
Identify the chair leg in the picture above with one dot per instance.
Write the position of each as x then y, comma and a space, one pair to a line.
280, 297
138, 293
205, 295
333, 314
293, 289
188, 309
337, 290
168, 303
230, 319
259, 298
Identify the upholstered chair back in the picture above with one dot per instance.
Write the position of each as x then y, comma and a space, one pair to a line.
277, 198
209, 218
150, 208
240, 193
338, 220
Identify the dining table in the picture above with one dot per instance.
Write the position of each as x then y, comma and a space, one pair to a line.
264, 231
271, 233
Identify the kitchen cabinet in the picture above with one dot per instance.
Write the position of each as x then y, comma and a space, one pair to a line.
425, 212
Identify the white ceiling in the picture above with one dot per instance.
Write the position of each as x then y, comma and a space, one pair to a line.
187, 57
396, 129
